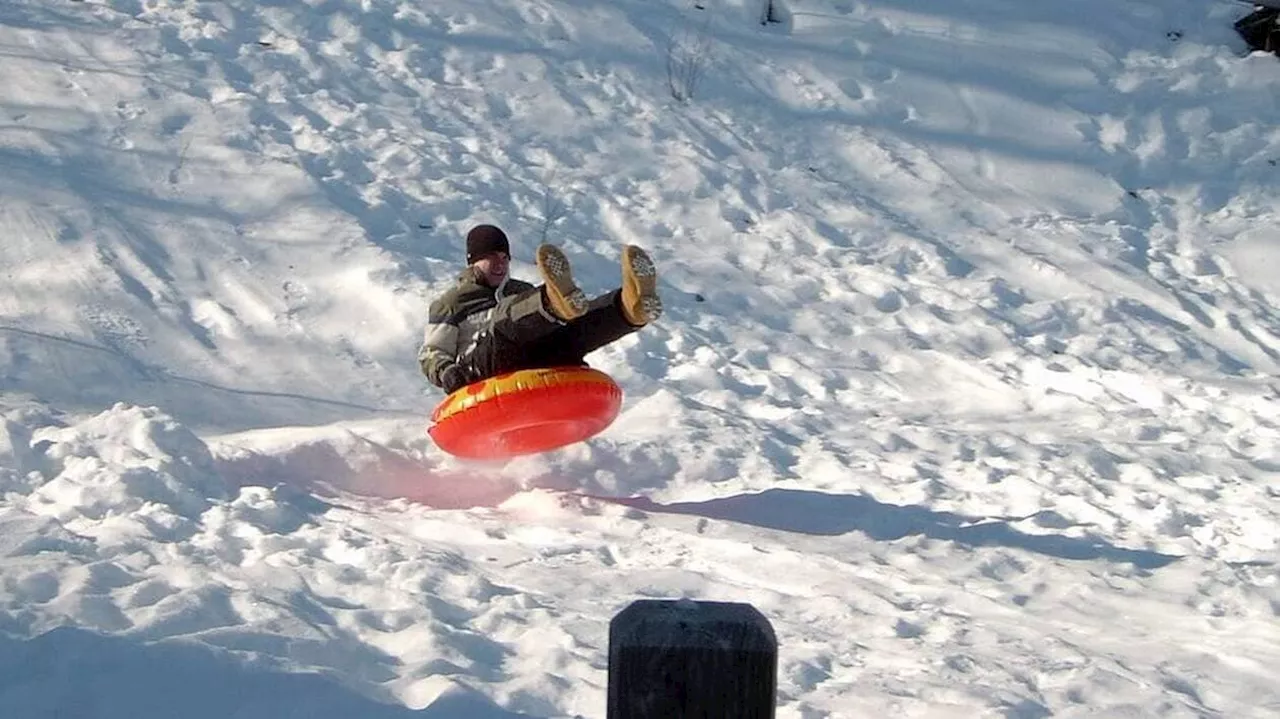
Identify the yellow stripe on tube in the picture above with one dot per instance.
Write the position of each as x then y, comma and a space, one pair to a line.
514, 382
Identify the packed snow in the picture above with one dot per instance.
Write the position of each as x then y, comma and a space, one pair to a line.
967, 378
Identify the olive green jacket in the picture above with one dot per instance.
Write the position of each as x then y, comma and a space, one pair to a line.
460, 319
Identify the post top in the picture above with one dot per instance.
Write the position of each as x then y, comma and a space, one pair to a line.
688, 623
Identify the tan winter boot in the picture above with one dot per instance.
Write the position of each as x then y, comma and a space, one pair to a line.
640, 302
564, 299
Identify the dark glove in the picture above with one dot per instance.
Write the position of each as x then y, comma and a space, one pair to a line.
455, 377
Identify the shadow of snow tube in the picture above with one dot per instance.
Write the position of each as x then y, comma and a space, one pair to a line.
525, 412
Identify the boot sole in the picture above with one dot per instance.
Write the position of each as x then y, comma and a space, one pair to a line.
640, 272
557, 274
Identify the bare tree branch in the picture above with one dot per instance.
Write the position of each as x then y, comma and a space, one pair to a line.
688, 54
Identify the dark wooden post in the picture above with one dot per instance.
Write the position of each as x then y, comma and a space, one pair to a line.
1261, 28
684, 659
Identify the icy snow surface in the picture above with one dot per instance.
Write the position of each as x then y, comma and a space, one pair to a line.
967, 380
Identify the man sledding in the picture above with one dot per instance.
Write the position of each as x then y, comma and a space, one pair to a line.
489, 323
519, 350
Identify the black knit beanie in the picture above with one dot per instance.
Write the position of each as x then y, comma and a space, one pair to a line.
483, 239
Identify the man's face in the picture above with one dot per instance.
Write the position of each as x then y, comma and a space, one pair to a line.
493, 267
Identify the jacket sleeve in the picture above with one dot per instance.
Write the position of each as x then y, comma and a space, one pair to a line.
439, 343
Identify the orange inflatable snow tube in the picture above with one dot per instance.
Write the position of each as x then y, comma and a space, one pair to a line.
525, 412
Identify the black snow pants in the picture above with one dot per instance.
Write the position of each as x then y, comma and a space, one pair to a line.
524, 334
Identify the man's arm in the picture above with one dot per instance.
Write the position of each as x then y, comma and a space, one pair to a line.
439, 349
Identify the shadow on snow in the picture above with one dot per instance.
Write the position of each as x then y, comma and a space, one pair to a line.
808, 512
71, 672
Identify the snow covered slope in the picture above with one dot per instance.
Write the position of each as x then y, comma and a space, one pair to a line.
967, 378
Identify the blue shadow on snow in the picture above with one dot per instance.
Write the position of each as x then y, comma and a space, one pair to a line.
71, 672
808, 512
